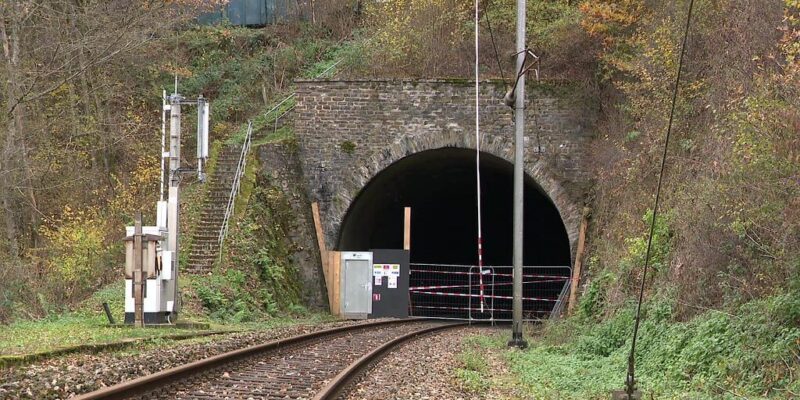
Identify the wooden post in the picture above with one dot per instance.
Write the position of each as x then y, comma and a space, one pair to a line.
576, 272
320, 238
407, 229
138, 273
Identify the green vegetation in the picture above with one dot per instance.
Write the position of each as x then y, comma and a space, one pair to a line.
71, 240
722, 311
283, 134
347, 146
722, 317
87, 324
473, 370
256, 279
750, 353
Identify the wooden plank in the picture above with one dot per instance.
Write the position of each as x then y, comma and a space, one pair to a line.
576, 272
407, 229
324, 254
320, 237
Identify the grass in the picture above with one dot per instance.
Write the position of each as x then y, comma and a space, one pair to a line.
751, 351
473, 370
282, 134
56, 332
87, 324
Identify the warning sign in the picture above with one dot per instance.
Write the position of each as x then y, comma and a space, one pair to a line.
385, 269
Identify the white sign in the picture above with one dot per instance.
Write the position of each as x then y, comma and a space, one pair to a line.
392, 282
385, 269
378, 280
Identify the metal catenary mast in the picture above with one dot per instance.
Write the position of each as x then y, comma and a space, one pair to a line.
153, 250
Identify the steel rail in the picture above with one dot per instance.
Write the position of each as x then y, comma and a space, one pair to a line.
336, 387
148, 383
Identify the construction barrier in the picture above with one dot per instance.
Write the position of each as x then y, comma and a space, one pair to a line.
469, 292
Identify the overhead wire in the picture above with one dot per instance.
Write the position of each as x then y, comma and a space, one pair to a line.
491, 35
630, 381
500, 66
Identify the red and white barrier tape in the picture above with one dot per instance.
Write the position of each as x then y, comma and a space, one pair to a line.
492, 274
477, 295
488, 284
476, 309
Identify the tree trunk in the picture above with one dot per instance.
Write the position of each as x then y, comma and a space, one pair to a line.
9, 35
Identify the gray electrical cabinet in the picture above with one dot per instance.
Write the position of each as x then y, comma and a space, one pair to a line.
356, 284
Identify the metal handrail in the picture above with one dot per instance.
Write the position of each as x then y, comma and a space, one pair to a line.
291, 96
237, 180
223, 230
558, 308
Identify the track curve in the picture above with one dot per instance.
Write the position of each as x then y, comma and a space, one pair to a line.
314, 365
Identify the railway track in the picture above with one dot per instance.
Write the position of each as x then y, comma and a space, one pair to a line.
317, 365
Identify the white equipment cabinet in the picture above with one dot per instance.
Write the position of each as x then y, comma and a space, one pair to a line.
356, 284
159, 267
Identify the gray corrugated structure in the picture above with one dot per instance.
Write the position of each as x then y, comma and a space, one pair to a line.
253, 12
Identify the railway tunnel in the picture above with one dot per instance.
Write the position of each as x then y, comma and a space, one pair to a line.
440, 187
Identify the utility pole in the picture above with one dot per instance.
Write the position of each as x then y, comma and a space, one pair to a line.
519, 160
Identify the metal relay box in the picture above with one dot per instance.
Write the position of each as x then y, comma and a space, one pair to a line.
356, 284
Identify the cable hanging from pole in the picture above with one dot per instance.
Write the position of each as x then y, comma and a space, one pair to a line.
478, 152
494, 45
630, 380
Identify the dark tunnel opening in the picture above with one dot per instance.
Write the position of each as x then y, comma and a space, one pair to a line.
440, 187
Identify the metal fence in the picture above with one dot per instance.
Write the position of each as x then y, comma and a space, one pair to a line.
467, 292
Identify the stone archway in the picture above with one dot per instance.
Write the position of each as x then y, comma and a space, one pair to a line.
497, 146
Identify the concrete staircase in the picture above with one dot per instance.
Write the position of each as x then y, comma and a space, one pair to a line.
205, 236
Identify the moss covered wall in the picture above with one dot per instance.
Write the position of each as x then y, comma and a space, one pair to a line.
280, 169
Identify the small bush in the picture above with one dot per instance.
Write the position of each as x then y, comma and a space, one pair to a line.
593, 301
227, 298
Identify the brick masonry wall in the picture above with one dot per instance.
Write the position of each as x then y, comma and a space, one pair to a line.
382, 121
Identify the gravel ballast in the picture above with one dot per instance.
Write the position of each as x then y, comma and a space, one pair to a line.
74, 374
422, 369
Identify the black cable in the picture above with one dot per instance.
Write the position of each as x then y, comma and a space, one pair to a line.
491, 34
630, 381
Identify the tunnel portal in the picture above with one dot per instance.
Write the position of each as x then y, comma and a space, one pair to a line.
440, 187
